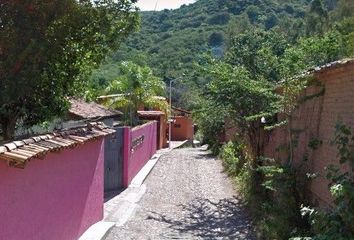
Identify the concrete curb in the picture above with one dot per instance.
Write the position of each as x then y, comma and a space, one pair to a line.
125, 203
120, 208
97, 231
139, 179
183, 144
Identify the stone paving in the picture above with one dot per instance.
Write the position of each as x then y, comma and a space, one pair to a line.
187, 197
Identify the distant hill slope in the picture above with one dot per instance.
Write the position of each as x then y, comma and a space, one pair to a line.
170, 40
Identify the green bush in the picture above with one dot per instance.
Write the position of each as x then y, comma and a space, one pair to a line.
269, 190
233, 157
336, 223
280, 215
210, 121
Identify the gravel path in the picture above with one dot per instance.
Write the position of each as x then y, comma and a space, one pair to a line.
188, 197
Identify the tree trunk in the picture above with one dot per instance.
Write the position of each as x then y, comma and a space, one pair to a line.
291, 147
8, 128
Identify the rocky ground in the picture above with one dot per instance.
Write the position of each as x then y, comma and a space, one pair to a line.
188, 197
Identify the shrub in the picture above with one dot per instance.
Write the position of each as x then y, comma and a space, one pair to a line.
220, 18
337, 221
233, 157
279, 213
268, 188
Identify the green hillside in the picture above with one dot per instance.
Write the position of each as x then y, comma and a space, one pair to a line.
169, 41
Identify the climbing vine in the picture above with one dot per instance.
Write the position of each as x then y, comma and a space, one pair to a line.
337, 221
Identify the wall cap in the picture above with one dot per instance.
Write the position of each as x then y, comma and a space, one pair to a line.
19, 153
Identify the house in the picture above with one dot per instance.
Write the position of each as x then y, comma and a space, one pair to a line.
81, 110
69, 169
182, 127
114, 143
78, 113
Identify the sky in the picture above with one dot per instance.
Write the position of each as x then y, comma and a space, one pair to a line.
148, 5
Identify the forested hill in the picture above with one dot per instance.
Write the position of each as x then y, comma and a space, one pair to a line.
170, 40
173, 42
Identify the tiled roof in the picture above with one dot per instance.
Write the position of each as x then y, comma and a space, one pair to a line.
332, 65
120, 95
150, 113
18, 153
181, 110
91, 110
322, 69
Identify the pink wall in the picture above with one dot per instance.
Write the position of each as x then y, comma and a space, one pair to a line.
136, 158
57, 198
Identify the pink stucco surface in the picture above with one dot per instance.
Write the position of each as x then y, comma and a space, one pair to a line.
56, 198
138, 157
126, 155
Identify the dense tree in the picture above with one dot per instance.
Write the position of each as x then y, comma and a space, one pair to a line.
312, 52
317, 19
135, 87
221, 18
271, 21
242, 84
172, 41
47, 49
345, 9
216, 39
258, 51
253, 12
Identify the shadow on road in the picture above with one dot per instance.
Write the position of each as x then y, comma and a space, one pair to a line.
210, 220
208, 156
204, 154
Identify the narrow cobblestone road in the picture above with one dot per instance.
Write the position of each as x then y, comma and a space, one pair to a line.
188, 197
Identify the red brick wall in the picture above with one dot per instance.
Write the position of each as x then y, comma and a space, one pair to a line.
315, 119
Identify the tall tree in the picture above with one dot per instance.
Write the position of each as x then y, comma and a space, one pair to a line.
258, 51
317, 18
47, 48
345, 9
135, 87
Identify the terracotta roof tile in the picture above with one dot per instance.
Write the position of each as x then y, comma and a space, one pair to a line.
85, 110
331, 65
18, 153
2, 149
180, 110
322, 69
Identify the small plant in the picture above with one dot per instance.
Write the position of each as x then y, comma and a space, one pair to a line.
237, 164
268, 188
233, 157
280, 215
314, 143
337, 222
